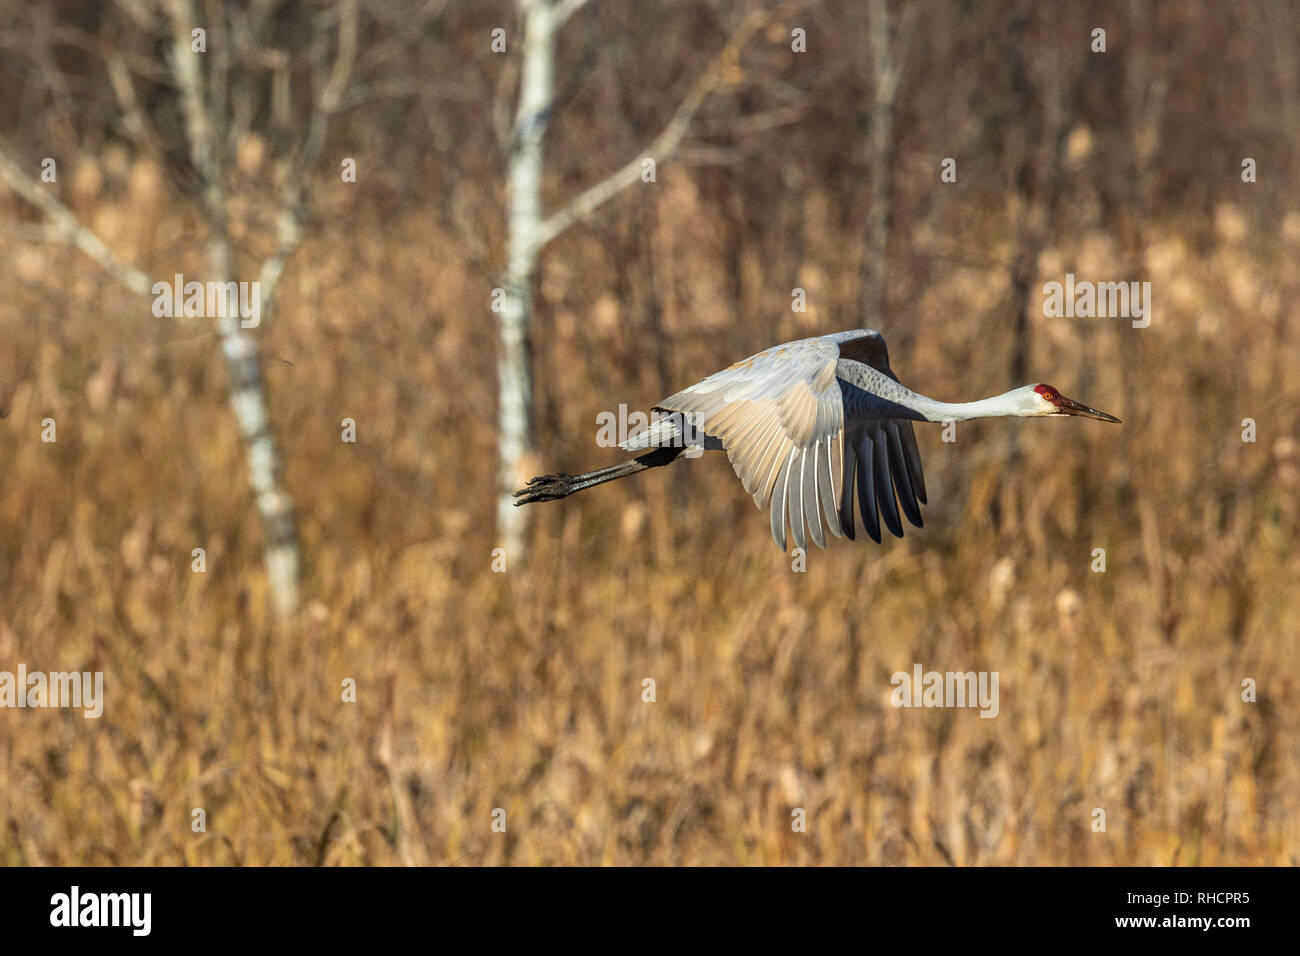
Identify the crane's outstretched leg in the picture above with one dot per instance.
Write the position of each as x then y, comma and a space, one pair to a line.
550, 487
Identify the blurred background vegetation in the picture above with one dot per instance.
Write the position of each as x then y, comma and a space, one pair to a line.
523, 690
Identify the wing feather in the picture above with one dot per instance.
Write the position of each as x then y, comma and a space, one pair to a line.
902, 481
867, 487
796, 500
752, 452
826, 480
846, 491
912, 455
769, 465
779, 500
811, 495
885, 486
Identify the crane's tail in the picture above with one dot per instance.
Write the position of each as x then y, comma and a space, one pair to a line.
550, 487
665, 431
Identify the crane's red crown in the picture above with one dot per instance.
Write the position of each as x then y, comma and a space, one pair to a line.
1049, 393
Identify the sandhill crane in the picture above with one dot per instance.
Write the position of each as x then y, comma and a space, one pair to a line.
802, 423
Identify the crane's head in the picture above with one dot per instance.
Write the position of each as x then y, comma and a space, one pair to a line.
1048, 401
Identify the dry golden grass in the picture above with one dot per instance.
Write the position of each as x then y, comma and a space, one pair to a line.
522, 690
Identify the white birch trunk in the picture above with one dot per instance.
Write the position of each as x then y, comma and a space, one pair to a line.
248, 403
524, 182
238, 348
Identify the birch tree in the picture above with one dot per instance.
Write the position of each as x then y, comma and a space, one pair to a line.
530, 230
222, 71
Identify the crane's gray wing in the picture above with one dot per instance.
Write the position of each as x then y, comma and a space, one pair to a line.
881, 457
780, 417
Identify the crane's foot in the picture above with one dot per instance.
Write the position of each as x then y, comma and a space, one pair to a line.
545, 488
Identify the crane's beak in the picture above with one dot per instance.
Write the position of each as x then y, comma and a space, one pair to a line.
1069, 406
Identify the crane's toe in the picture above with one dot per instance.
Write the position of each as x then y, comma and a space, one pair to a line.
544, 488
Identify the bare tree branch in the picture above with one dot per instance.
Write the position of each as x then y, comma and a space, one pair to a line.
65, 223
291, 213
663, 145
289, 234
198, 126
133, 120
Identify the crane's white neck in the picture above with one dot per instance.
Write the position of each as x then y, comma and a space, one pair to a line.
1018, 403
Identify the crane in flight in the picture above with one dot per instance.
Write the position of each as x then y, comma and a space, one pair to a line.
804, 423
